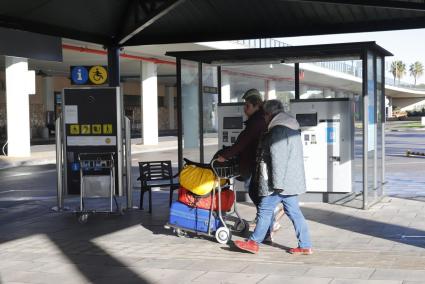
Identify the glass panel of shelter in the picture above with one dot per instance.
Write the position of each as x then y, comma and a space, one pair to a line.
190, 110
209, 111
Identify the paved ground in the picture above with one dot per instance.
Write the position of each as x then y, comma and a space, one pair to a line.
385, 244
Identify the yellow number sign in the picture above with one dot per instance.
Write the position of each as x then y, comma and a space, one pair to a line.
107, 128
85, 129
74, 129
96, 128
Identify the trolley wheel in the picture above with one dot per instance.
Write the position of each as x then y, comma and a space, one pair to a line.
241, 226
83, 217
180, 233
222, 235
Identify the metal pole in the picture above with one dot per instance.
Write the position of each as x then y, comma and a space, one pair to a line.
179, 115
59, 177
128, 163
120, 153
201, 113
297, 80
383, 124
365, 130
114, 66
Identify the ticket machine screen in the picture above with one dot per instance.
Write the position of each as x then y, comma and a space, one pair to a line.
235, 122
307, 119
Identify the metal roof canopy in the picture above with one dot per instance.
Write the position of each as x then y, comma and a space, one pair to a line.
373, 101
143, 22
289, 54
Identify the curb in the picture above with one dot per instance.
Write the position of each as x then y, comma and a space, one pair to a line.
8, 165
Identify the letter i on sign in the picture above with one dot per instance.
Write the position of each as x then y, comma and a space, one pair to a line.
80, 77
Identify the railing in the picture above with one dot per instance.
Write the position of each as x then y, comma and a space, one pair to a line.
335, 66
341, 66
347, 67
262, 43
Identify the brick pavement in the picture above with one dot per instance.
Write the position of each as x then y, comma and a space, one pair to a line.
385, 244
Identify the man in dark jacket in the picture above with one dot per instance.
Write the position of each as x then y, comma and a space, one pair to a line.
280, 178
245, 146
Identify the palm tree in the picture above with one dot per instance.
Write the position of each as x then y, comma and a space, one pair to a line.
416, 70
398, 69
401, 67
393, 69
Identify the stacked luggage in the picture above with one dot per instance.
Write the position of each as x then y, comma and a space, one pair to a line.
203, 198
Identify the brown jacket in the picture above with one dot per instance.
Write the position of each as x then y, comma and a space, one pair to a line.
245, 146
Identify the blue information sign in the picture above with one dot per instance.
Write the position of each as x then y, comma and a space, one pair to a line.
79, 75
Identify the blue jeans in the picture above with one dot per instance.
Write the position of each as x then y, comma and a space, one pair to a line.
253, 194
292, 210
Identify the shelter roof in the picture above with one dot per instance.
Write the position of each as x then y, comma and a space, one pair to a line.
288, 54
142, 22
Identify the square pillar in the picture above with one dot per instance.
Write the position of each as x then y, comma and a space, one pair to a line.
49, 93
271, 90
17, 107
149, 93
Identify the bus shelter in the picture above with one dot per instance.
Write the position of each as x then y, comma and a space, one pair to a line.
209, 79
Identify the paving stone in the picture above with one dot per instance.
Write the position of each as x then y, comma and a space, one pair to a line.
398, 274
227, 277
154, 275
272, 279
275, 268
340, 272
358, 281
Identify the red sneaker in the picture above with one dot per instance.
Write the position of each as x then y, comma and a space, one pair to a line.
305, 251
248, 245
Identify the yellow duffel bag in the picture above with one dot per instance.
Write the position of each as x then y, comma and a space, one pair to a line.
198, 180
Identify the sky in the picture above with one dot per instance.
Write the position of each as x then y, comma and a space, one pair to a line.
406, 45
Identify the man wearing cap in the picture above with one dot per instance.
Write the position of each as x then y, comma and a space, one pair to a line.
245, 147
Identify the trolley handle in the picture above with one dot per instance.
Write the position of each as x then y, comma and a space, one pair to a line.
224, 170
213, 168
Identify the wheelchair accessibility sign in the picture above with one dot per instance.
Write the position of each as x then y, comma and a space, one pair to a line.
89, 75
98, 75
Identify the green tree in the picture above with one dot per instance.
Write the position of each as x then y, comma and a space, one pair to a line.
398, 69
416, 70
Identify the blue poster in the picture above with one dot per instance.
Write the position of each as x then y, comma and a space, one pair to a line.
330, 135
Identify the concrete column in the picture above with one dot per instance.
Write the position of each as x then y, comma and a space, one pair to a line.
303, 92
48, 93
149, 92
17, 107
225, 88
271, 90
340, 94
328, 93
169, 100
389, 106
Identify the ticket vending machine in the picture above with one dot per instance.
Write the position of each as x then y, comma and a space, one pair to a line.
231, 119
327, 134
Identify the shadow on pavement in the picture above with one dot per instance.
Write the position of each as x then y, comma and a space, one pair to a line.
395, 233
